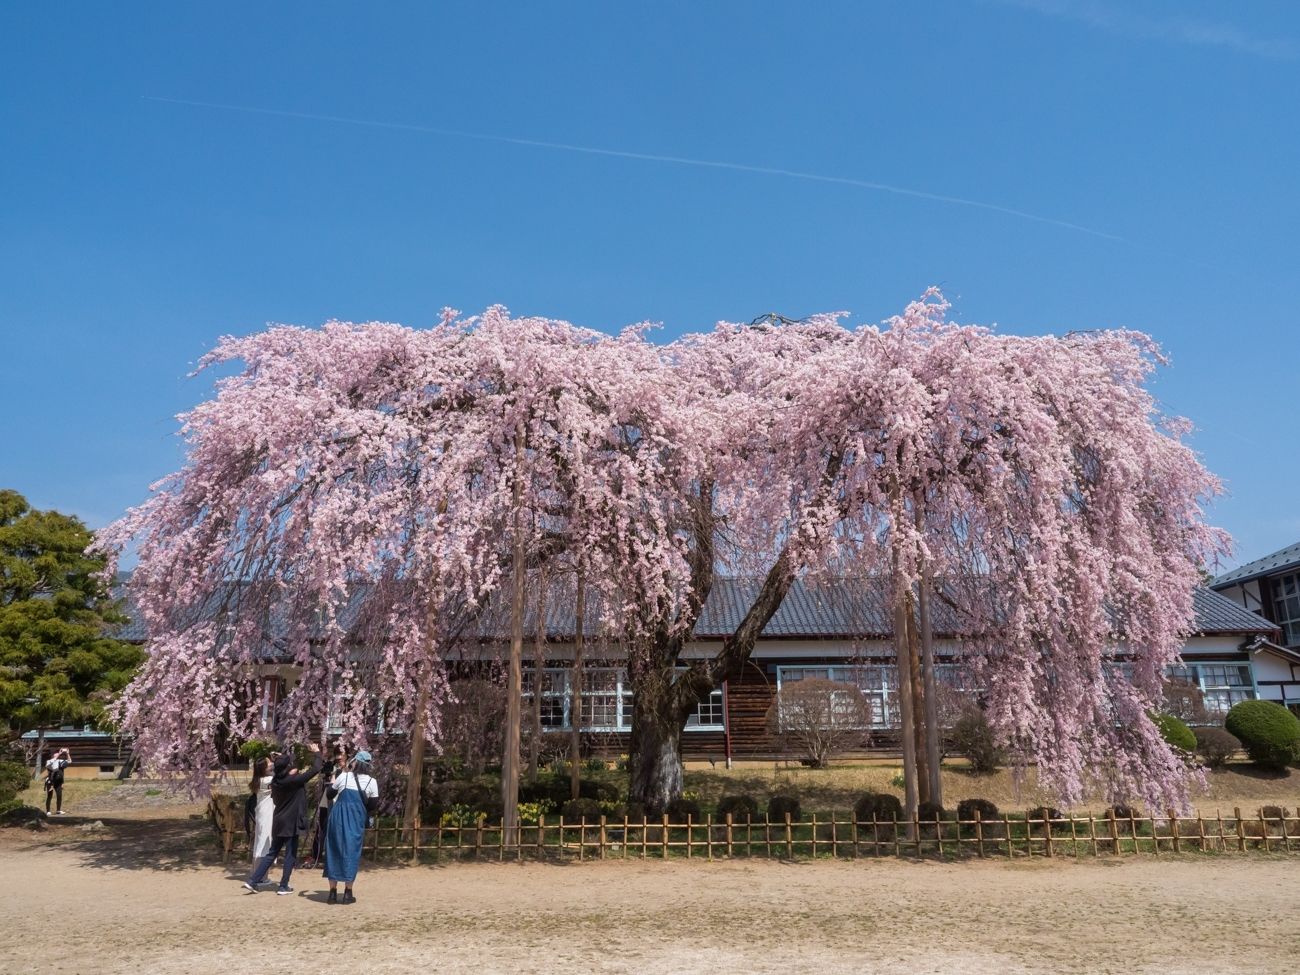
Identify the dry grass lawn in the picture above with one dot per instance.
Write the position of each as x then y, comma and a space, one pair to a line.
840, 786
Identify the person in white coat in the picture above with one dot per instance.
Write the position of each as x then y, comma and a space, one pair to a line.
263, 807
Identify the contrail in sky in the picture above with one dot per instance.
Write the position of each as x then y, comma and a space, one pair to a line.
654, 157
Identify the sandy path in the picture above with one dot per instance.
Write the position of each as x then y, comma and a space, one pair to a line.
143, 905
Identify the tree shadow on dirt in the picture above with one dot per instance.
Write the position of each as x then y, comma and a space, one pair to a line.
163, 845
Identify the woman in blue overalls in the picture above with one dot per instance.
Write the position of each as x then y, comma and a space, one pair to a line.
355, 794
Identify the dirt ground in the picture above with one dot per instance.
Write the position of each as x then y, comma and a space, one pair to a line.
147, 893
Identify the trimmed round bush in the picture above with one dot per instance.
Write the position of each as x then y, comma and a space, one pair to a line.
679, 809
1175, 732
967, 808
1039, 813
1121, 811
1268, 731
972, 738
881, 806
1215, 746
742, 808
576, 810
928, 812
597, 789
779, 806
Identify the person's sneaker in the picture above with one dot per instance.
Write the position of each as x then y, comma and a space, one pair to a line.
334, 897
348, 898
284, 890
249, 887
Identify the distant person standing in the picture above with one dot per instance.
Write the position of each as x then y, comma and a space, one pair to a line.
54, 779
288, 820
355, 796
263, 807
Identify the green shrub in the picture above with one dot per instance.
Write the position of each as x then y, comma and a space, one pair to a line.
599, 790
967, 808
742, 809
1275, 812
1175, 732
595, 765
14, 778
477, 796
679, 809
634, 812
256, 749
928, 812
990, 828
1121, 811
1036, 816
881, 806
779, 806
972, 738
1268, 731
1215, 746
575, 810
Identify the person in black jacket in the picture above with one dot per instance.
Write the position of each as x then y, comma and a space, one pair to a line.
289, 796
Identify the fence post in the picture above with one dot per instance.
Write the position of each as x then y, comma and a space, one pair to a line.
729, 836
1092, 833
979, 833
1047, 831
1263, 830
1241, 829
789, 838
1173, 828
708, 835
625, 834
814, 836
664, 837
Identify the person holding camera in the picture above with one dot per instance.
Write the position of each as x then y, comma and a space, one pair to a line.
356, 794
54, 779
288, 820
335, 765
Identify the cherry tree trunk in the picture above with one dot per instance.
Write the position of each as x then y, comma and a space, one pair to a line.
514, 687
932, 729
539, 673
575, 700
907, 729
924, 782
655, 772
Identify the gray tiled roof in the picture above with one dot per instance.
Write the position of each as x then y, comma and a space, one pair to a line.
832, 609
1279, 561
1216, 613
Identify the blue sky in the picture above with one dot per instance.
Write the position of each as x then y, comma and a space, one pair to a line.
1150, 151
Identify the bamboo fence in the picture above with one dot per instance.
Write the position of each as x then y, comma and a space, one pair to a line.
837, 836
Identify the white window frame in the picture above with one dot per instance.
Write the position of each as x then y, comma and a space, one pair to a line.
1213, 692
1286, 603
617, 699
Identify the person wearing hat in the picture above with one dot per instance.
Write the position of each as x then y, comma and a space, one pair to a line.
289, 797
355, 795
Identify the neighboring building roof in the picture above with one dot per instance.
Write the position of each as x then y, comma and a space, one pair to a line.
1216, 613
830, 609
1279, 561
80, 734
